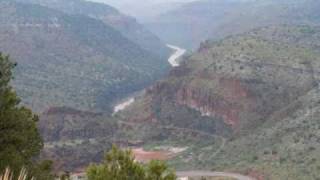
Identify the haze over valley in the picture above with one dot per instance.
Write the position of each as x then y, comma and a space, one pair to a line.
147, 9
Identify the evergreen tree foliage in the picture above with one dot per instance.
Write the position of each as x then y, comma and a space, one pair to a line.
120, 165
19, 137
158, 170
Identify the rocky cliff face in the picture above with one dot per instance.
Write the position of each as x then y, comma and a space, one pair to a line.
235, 100
75, 138
63, 124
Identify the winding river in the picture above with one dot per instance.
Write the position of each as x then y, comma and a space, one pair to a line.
123, 105
173, 60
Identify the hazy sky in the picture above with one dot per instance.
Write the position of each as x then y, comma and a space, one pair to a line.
121, 2
144, 9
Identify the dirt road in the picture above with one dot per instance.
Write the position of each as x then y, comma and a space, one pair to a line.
212, 174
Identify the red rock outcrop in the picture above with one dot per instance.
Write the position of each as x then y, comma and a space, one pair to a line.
230, 100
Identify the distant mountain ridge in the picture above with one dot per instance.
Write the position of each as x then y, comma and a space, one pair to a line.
72, 60
127, 25
198, 21
144, 10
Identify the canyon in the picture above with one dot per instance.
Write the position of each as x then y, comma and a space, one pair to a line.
252, 85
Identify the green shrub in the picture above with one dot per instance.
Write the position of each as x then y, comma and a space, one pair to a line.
120, 164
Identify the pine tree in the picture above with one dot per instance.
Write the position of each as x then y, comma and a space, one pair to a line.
19, 137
